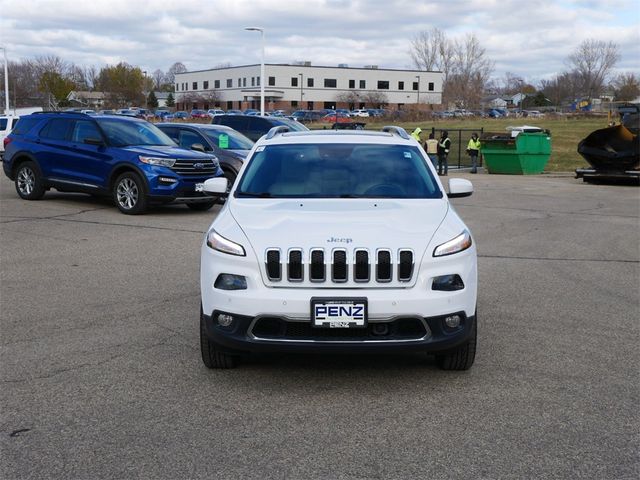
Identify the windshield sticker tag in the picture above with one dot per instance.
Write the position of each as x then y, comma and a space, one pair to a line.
223, 141
407, 154
260, 148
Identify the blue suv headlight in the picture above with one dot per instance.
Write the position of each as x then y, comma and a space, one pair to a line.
163, 162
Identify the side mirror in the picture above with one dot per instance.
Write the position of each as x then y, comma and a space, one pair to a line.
459, 187
94, 141
215, 185
198, 147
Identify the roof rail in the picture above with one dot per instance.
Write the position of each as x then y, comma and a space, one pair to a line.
277, 130
60, 112
392, 129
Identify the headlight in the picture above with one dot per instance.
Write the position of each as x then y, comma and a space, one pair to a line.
163, 162
455, 245
221, 244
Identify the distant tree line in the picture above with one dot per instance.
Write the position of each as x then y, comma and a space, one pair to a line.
47, 81
467, 71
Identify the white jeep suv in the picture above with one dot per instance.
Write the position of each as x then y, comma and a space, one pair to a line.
338, 241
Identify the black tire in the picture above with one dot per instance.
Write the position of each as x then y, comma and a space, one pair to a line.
230, 175
461, 357
212, 355
202, 206
130, 194
28, 181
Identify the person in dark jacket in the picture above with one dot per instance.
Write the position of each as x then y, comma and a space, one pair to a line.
444, 145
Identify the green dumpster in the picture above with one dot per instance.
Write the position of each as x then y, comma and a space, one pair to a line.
523, 151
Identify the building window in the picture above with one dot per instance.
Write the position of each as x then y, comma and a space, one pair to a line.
400, 85
216, 84
363, 84
309, 105
294, 81
352, 84
415, 85
239, 82
229, 105
431, 86
383, 85
258, 80
177, 87
330, 83
244, 82
205, 85
272, 81
309, 82
294, 103
253, 81
195, 85
229, 83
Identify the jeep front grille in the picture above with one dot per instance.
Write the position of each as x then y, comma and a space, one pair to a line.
340, 265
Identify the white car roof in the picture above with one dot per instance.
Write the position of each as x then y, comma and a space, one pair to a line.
397, 136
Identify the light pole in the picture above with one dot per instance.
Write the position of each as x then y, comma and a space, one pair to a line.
418, 100
301, 94
144, 90
6, 81
261, 30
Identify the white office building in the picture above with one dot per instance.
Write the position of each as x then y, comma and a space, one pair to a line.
307, 87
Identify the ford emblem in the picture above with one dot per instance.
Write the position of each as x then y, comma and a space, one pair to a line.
198, 165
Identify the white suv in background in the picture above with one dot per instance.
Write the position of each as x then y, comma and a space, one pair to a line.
7, 123
338, 241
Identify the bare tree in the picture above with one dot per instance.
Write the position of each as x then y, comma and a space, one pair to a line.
351, 98
376, 99
593, 60
627, 87
432, 50
177, 67
158, 78
469, 72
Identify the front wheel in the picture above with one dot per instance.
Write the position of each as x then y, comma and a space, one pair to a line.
461, 357
212, 355
28, 181
129, 194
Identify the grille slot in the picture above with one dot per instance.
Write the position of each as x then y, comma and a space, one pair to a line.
383, 266
195, 167
405, 265
274, 267
361, 268
339, 267
295, 270
317, 268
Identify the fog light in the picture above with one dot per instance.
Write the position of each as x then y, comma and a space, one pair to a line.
227, 281
447, 283
452, 321
167, 179
224, 319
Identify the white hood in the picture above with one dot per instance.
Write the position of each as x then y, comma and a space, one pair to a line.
339, 223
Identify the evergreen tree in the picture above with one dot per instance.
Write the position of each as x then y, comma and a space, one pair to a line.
170, 101
152, 101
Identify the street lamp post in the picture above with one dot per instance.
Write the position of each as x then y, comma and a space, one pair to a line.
6, 81
261, 30
418, 100
144, 90
301, 93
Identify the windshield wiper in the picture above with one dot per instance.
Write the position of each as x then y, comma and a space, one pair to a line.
254, 194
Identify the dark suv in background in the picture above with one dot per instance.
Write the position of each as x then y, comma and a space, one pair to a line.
126, 158
254, 126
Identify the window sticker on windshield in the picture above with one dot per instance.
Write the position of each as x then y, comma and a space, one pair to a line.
260, 149
223, 141
407, 154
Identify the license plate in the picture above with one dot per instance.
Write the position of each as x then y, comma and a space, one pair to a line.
339, 312
199, 187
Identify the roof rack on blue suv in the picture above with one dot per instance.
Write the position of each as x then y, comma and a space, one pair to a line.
126, 158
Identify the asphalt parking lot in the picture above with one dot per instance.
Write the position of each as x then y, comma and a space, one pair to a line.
102, 378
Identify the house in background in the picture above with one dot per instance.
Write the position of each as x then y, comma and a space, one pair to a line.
92, 100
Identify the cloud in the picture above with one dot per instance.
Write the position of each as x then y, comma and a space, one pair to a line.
532, 39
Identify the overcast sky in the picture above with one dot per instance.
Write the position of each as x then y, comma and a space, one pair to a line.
528, 38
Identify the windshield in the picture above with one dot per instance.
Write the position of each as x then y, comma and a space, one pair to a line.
338, 171
3, 123
124, 133
229, 139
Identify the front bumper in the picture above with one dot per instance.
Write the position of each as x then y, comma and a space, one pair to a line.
294, 336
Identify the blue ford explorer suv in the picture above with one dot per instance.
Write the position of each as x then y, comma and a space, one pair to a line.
126, 158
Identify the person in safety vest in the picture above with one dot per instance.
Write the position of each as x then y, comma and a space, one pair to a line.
416, 134
431, 146
444, 145
473, 149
